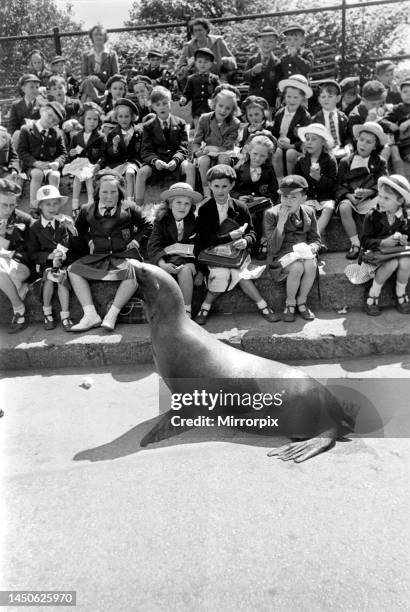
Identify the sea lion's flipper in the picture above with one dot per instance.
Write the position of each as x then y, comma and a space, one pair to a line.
163, 429
306, 449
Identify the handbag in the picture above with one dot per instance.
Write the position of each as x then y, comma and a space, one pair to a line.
378, 256
224, 255
132, 312
180, 253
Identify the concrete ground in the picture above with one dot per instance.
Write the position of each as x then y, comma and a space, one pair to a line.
198, 523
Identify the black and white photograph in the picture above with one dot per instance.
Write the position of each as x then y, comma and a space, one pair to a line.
205, 305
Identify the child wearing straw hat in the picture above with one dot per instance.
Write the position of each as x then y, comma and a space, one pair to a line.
388, 226
170, 245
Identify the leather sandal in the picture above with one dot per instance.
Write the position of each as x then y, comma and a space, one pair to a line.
288, 314
353, 252
49, 322
305, 312
18, 323
373, 309
202, 316
403, 303
269, 315
67, 324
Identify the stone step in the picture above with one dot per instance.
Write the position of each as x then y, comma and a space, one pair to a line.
333, 292
329, 336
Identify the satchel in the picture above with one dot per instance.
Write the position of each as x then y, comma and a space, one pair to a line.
224, 255
382, 254
132, 312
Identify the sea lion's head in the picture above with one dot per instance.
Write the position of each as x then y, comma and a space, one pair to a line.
160, 292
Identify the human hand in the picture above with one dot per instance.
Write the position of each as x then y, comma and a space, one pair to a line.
115, 142
182, 101
245, 198
198, 279
53, 165
391, 241
240, 244
257, 69
133, 244
172, 165
403, 126
283, 216
315, 174
160, 165
238, 233
91, 246
283, 142
170, 267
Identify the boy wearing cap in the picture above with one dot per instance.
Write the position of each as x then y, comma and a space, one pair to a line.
154, 69
164, 146
14, 263
141, 87
200, 86
27, 107
373, 96
297, 59
293, 244
47, 247
350, 94
263, 70
384, 72
57, 89
288, 120
59, 67
41, 149
397, 122
388, 226
332, 118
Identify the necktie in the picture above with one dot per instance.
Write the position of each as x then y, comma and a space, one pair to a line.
50, 228
180, 228
43, 135
107, 212
165, 127
333, 130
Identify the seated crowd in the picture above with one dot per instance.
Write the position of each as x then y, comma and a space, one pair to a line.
257, 177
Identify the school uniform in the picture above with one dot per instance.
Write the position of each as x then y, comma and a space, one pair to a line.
128, 150
376, 228
44, 76
107, 68
72, 107
42, 240
155, 74
265, 128
393, 95
349, 107
213, 42
300, 118
357, 116
8, 158
301, 63
165, 233
20, 111
93, 149
298, 228
35, 146
200, 89
264, 84
265, 186
110, 236
398, 114
167, 145
17, 267
324, 188
365, 177
212, 134
341, 124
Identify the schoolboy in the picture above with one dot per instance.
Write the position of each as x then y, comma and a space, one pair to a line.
59, 67
350, 98
263, 70
297, 59
9, 163
164, 146
57, 89
200, 86
397, 122
154, 69
41, 149
27, 107
384, 72
373, 96
334, 119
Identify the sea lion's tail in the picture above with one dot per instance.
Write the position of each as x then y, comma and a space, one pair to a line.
163, 429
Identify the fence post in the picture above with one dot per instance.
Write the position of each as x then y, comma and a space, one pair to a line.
187, 18
343, 62
57, 40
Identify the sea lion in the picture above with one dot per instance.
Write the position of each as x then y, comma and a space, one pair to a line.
185, 352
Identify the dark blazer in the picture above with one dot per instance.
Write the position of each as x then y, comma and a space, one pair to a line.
212, 134
17, 232
8, 157
279, 245
398, 114
111, 235
41, 242
348, 180
300, 119
302, 63
32, 147
265, 83
200, 89
156, 145
348, 109
208, 225
109, 65
19, 112
324, 188
266, 186
357, 116
376, 228
342, 124
267, 127
126, 152
94, 148
72, 107
165, 233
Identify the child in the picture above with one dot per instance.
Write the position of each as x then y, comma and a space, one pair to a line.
255, 111
25, 108
141, 87
388, 226
263, 71
225, 221
318, 167
200, 86
373, 96
216, 134
42, 151
357, 180
59, 68
384, 72
57, 88
116, 88
350, 94
87, 145
37, 66
9, 163
397, 122
154, 69
14, 263
256, 185
335, 120
48, 245
288, 120
174, 230
164, 145
122, 149
297, 59
293, 245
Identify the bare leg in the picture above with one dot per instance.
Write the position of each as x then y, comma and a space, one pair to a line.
36, 181
204, 163
249, 288
278, 163
48, 290
9, 288
186, 283
346, 216
189, 170
291, 159
54, 178
324, 219
129, 180
90, 190
140, 184
308, 278
293, 282
64, 297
